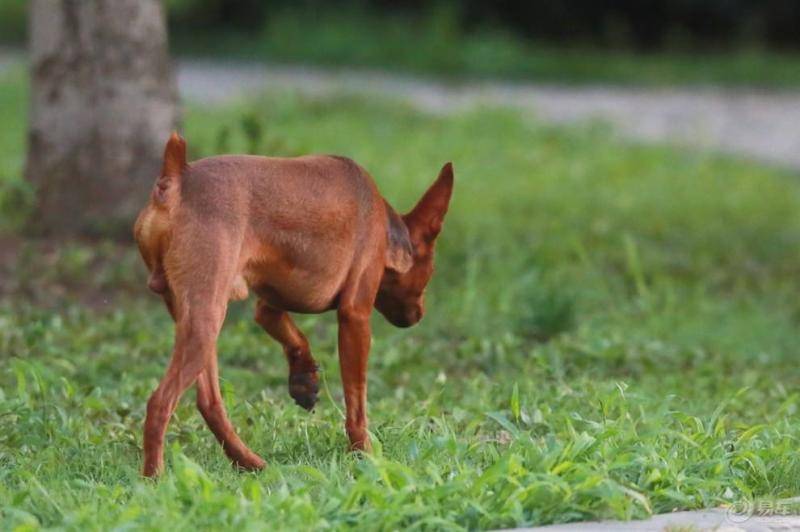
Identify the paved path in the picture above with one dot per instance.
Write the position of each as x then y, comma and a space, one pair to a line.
703, 520
759, 124
8, 58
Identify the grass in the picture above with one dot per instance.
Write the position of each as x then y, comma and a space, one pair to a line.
436, 45
612, 332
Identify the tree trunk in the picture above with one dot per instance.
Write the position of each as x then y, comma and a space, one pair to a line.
103, 102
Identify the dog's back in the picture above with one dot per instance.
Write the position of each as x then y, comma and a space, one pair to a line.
286, 195
296, 224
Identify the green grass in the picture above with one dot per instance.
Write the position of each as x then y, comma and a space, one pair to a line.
435, 45
15, 196
612, 332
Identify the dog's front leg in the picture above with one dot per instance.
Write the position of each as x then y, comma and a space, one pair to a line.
303, 379
354, 344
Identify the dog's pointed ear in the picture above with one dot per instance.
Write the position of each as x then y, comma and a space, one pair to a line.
426, 218
174, 156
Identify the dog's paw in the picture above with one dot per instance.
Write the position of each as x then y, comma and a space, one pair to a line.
304, 387
249, 462
359, 440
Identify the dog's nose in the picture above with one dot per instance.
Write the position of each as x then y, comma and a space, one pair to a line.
414, 315
406, 317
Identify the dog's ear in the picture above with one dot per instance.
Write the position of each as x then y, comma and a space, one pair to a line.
399, 252
174, 156
426, 218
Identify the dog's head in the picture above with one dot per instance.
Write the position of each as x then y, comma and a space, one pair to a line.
409, 257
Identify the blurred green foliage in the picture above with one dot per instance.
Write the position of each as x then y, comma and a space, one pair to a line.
612, 331
457, 39
437, 44
16, 195
12, 21
657, 24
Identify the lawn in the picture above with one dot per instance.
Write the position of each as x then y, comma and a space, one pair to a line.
612, 332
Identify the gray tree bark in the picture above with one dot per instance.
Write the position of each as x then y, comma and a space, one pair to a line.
103, 103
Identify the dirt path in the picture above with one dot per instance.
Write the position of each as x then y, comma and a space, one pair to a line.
760, 124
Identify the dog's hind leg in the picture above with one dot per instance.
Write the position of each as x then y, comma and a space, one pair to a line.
195, 345
199, 309
303, 379
211, 406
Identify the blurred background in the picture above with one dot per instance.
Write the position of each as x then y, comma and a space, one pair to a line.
613, 325
572, 40
509, 38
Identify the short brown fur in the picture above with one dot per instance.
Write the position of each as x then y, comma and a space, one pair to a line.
306, 234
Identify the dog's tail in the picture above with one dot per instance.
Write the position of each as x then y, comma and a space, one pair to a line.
167, 188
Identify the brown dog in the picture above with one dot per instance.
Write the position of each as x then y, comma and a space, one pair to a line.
306, 234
